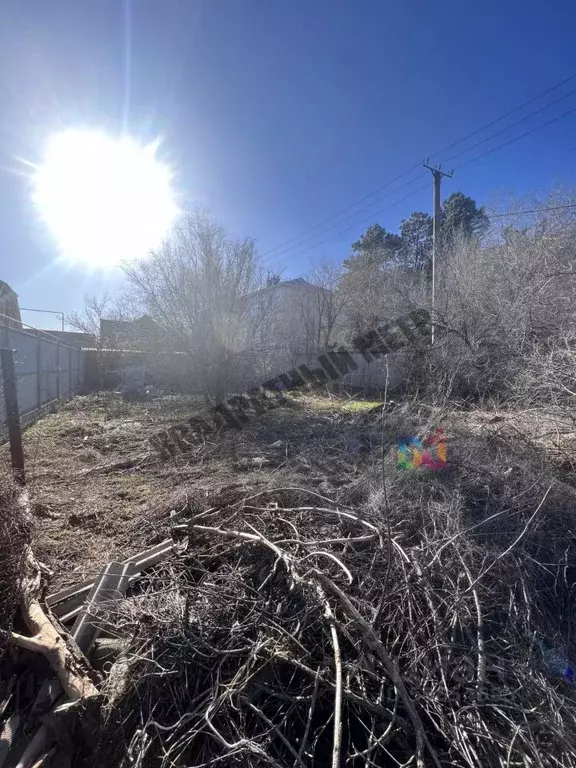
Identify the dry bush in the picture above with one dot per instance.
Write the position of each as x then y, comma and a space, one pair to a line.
548, 374
411, 619
15, 534
503, 304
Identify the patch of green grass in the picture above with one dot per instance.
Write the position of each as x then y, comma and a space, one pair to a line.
340, 404
358, 406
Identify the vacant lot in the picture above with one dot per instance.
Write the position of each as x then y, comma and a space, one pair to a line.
101, 491
315, 575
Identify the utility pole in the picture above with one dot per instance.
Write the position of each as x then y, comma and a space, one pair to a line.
437, 174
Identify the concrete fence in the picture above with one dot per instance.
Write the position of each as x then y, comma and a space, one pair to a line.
46, 370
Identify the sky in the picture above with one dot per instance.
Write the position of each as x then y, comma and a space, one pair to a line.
277, 114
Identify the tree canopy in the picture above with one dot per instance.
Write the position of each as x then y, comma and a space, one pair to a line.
461, 215
412, 248
376, 245
416, 236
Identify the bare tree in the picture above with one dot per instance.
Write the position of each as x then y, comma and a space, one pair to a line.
322, 308
197, 286
99, 308
88, 320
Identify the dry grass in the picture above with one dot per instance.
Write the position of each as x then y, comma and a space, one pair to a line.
326, 607
379, 624
99, 490
84, 516
90, 508
15, 534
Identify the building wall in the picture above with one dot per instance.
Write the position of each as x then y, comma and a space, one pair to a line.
9, 309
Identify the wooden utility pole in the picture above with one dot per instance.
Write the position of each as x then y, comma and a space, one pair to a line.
437, 174
12, 413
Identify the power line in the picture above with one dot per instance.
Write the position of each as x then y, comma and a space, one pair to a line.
353, 216
467, 162
459, 154
306, 249
508, 127
533, 210
343, 210
292, 242
504, 116
517, 138
405, 197
377, 259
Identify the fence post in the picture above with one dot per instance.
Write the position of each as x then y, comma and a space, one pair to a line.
12, 413
38, 368
70, 370
58, 370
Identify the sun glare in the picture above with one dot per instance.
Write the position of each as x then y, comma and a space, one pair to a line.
105, 199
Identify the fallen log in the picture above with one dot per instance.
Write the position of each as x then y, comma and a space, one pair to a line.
46, 639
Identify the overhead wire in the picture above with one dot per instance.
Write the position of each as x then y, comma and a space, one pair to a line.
320, 224
306, 249
505, 115
514, 139
517, 138
292, 243
543, 209
424, 186
354, 215
509, 127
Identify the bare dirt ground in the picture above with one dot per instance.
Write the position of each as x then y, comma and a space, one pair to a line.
100, 490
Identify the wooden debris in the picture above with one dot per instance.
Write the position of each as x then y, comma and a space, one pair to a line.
46, 639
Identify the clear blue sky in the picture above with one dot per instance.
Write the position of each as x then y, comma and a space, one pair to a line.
277, 113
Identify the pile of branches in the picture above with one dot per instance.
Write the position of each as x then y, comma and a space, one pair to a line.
423, 626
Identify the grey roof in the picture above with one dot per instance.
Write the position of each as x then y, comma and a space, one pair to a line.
4, 286
297, 282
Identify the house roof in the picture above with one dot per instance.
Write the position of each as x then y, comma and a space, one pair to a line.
4, 287
297, 282
75, 337
114, 326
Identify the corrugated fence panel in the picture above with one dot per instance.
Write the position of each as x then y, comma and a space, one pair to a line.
45, 370
2, 406
77, 369
48, 371
26, 366
65, 384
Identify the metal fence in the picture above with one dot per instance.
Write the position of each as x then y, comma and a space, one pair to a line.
46, 370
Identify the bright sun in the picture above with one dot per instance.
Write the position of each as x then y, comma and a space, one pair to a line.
105, 199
